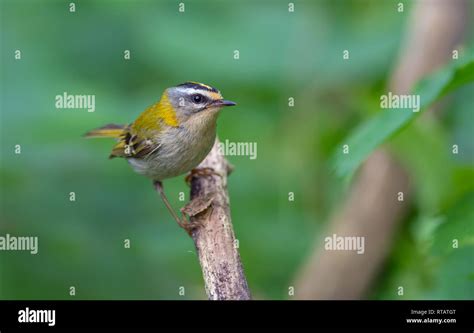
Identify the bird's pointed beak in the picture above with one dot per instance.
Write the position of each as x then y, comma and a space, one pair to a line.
223, 102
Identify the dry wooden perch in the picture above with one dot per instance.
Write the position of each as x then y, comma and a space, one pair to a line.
214, 238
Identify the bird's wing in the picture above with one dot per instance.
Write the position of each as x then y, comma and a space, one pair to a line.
139, 139
133, 145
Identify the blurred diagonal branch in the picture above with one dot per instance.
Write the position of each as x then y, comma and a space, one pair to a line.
214, 238
372, 209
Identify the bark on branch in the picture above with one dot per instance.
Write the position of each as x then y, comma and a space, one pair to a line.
214, 238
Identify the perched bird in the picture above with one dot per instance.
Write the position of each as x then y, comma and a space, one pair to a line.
171, 137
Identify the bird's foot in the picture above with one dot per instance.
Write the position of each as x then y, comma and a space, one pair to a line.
188, 226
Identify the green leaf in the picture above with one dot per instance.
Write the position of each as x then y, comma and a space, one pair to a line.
453, 278
453, 248
368, 136
432, 195
458, 228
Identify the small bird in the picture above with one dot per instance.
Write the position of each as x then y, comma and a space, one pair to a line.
171, 137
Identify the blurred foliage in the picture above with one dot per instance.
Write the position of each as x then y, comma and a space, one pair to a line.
282, 55
375, 131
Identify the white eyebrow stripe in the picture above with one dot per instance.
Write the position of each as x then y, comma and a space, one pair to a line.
191, 91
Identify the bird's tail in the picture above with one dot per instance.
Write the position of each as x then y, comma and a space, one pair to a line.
107, 131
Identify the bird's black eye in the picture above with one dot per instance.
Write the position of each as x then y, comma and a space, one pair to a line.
198, 98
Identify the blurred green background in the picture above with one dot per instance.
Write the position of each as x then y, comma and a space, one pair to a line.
282, 55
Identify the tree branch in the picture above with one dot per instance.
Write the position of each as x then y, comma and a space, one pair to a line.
214, 237
371, 211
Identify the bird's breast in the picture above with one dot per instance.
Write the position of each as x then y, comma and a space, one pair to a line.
181, 149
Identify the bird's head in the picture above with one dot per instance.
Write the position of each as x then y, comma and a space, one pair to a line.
190, 99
